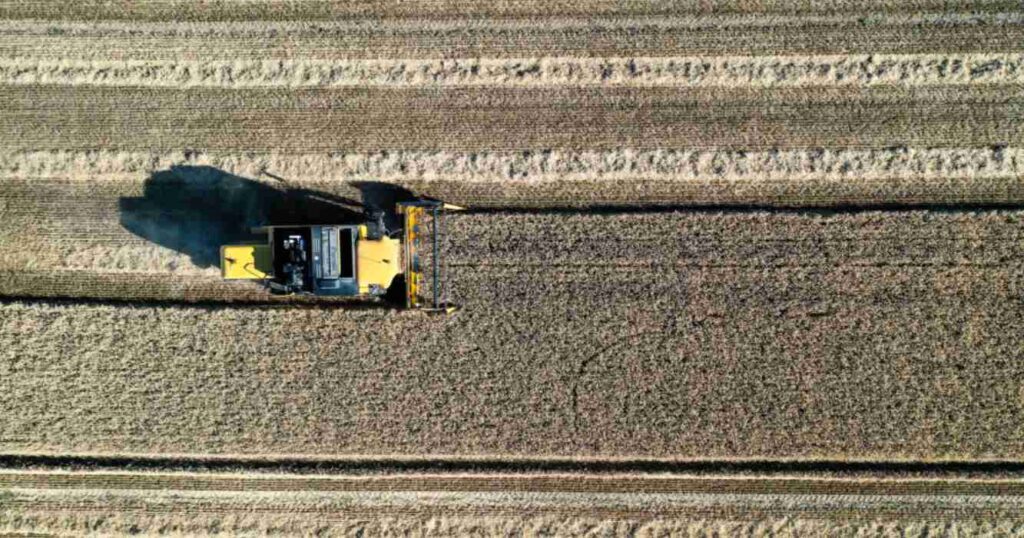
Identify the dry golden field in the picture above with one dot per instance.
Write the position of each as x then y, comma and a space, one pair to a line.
756, 231
874, 335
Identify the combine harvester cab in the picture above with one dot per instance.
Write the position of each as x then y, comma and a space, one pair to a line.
346, 260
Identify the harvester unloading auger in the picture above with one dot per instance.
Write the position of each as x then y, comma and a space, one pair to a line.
350, 260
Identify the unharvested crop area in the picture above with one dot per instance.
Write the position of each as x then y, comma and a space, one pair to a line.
699, 231
874, 335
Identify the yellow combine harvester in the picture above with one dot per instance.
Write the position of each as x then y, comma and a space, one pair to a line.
349, 260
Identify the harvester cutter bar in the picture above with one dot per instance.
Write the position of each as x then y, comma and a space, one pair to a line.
412, 214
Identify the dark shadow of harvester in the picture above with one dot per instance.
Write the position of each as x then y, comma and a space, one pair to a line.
197, 209
292, 239
383, 199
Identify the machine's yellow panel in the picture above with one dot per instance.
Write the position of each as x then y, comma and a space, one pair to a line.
379, 262
246, 262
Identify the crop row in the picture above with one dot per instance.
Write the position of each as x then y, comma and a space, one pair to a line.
539, 166
730, 72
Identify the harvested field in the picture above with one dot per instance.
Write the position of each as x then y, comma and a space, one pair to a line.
666, 104
69, 502
323, 120
714, 231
